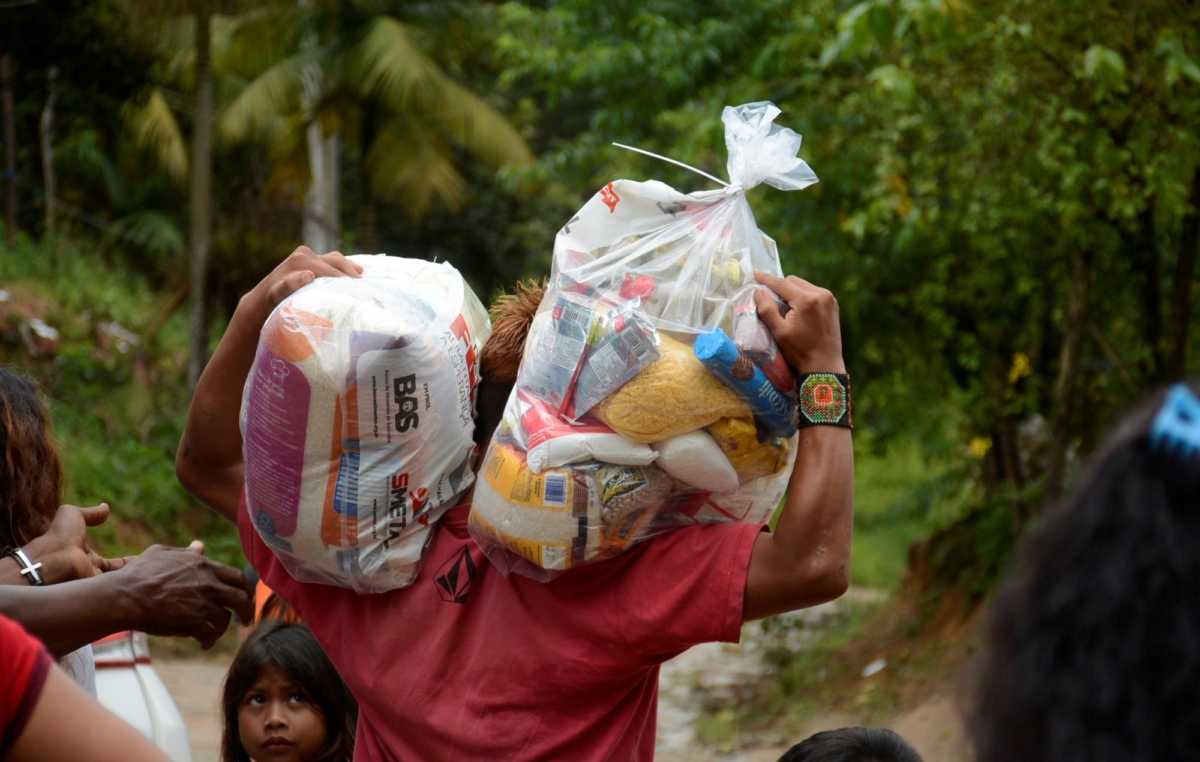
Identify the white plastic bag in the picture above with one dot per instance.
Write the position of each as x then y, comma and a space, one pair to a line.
674, 263
357, 420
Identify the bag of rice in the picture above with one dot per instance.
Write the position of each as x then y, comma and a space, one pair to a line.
358, 420
650, 294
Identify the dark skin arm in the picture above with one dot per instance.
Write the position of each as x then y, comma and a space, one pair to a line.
163, 591
806, 561
209, 461
62, 550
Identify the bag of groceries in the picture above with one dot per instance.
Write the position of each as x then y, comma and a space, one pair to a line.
650, 395
357, 420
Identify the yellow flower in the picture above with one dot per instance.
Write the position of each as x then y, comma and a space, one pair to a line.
980, 446
1021, 367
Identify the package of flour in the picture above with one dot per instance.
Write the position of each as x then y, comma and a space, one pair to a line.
358, 420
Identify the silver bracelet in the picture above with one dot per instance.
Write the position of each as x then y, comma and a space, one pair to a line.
29, 569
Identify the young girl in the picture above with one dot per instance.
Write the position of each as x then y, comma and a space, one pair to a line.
284, 701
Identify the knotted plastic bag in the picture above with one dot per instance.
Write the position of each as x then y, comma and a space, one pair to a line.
637, 335
357, 420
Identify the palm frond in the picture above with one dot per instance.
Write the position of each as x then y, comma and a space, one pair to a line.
154, 128
482, 130
259, 38
386, 64
415, 167
154, 230
270, 97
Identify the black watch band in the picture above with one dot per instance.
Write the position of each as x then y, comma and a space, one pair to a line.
824, 399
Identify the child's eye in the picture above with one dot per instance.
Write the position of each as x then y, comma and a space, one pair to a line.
255, 700
298, 698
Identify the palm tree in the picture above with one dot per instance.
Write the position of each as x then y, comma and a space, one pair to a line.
154, 13
410, 116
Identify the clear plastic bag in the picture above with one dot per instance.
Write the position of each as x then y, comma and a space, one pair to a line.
652, 277
358, 420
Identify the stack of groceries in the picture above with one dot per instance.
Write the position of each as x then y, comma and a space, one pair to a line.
650, 396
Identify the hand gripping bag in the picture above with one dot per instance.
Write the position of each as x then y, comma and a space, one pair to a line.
357, 420
639, 335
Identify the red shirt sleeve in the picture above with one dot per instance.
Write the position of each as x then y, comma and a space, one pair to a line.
24, 665
686, 587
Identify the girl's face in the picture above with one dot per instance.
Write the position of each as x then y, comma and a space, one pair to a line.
277, 723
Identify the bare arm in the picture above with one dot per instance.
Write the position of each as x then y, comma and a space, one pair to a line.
209, 461
806, 561
62, 550
163, 591
66, 723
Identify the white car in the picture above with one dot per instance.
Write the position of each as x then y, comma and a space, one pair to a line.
127, 686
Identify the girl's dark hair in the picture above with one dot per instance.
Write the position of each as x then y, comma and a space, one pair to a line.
853, 745
1093, 644
30, 471
293, 650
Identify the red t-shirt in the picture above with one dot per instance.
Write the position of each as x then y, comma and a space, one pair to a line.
468, 665
24, 665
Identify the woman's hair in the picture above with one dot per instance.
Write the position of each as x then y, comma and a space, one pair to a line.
30, 471
853, 745
292, 649
1093, 644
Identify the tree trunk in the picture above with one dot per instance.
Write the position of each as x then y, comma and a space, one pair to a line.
368, 223
49, 179
10, 151
1185, 268
1145, 245
330, 201
1068, 370
201, 198
320, 226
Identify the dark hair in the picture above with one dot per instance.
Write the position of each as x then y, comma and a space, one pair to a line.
853, 745
1093, 643
511, 315
30, 471
293, 650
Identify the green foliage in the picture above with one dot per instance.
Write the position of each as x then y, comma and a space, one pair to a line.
117, 424
970, 156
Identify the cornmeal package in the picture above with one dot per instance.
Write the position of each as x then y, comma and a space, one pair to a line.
358, 420
650, 396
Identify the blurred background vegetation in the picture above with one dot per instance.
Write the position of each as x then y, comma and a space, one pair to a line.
1008, 209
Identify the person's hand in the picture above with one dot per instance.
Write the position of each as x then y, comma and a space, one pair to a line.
62, 549
178, 592
807, 329
301, 267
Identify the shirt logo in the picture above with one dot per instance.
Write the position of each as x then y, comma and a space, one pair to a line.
456, 577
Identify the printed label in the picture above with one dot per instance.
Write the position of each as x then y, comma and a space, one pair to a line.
509, 475
276, 431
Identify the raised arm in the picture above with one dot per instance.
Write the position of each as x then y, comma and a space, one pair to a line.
163, 591
806, 561
209, 461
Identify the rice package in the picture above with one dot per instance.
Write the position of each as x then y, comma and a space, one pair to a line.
358, 420
648, 333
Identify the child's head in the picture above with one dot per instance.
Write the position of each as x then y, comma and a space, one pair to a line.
284, 701
852, 745
1093, 646
30, 473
